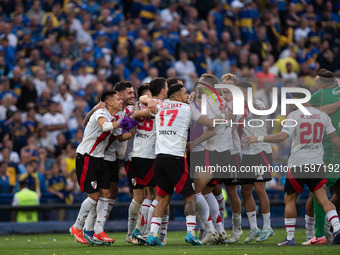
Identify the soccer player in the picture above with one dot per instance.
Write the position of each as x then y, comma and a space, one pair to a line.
112, 166
141, 170
171, 170
306, 163
254, 156
92, 176
218, 154
231, 183
327, 99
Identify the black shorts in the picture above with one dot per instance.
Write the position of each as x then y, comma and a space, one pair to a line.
113, 168
141, 173
196, 159
91, 174
235, 164
222, 160
294, 184
250, 168
171, 172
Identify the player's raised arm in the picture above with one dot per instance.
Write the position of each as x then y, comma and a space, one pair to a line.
329, 108
274, 138
98, 106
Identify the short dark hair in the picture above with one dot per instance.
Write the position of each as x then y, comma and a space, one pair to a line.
107, 94
174, 88
122, 85
156, 85
326, 77
244, 84
142, 88
172, 81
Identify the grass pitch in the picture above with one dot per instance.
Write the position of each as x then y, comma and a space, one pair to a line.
58, 244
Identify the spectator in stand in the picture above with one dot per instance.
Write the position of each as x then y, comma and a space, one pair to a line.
163, 62
221, 65
40, 81
4, 179
31, 148
289, 74
153, 73
65, 99
16, 131
185, 69
265, 76
45, 162
54, 121
31, 177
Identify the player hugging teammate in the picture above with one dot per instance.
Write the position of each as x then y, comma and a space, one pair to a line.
164, 156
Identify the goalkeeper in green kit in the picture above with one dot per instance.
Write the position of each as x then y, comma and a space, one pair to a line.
326, 99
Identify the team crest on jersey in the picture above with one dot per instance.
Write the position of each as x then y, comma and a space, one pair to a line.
94, 184
134, 183
193, 186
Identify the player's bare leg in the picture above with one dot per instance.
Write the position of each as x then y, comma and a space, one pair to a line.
267, 231
250, 207
85, 208
235, 206
331, 214
190, 218
290, 218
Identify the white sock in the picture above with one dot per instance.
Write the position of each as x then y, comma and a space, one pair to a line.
200, 223
310, 225
91, 219
155, 226
266, 220
252, 220
214, 212
110, 206
102, 208
327, 225
221, 205
164, 225
191, 224
133, 214
237, 220
85, 208
143, 214
150, 214
202, 208
333, 218
290, 227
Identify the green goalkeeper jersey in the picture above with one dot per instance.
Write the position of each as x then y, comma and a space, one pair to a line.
321, 98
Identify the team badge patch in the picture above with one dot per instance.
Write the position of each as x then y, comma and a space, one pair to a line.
193, 186
134, 183
94, 184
